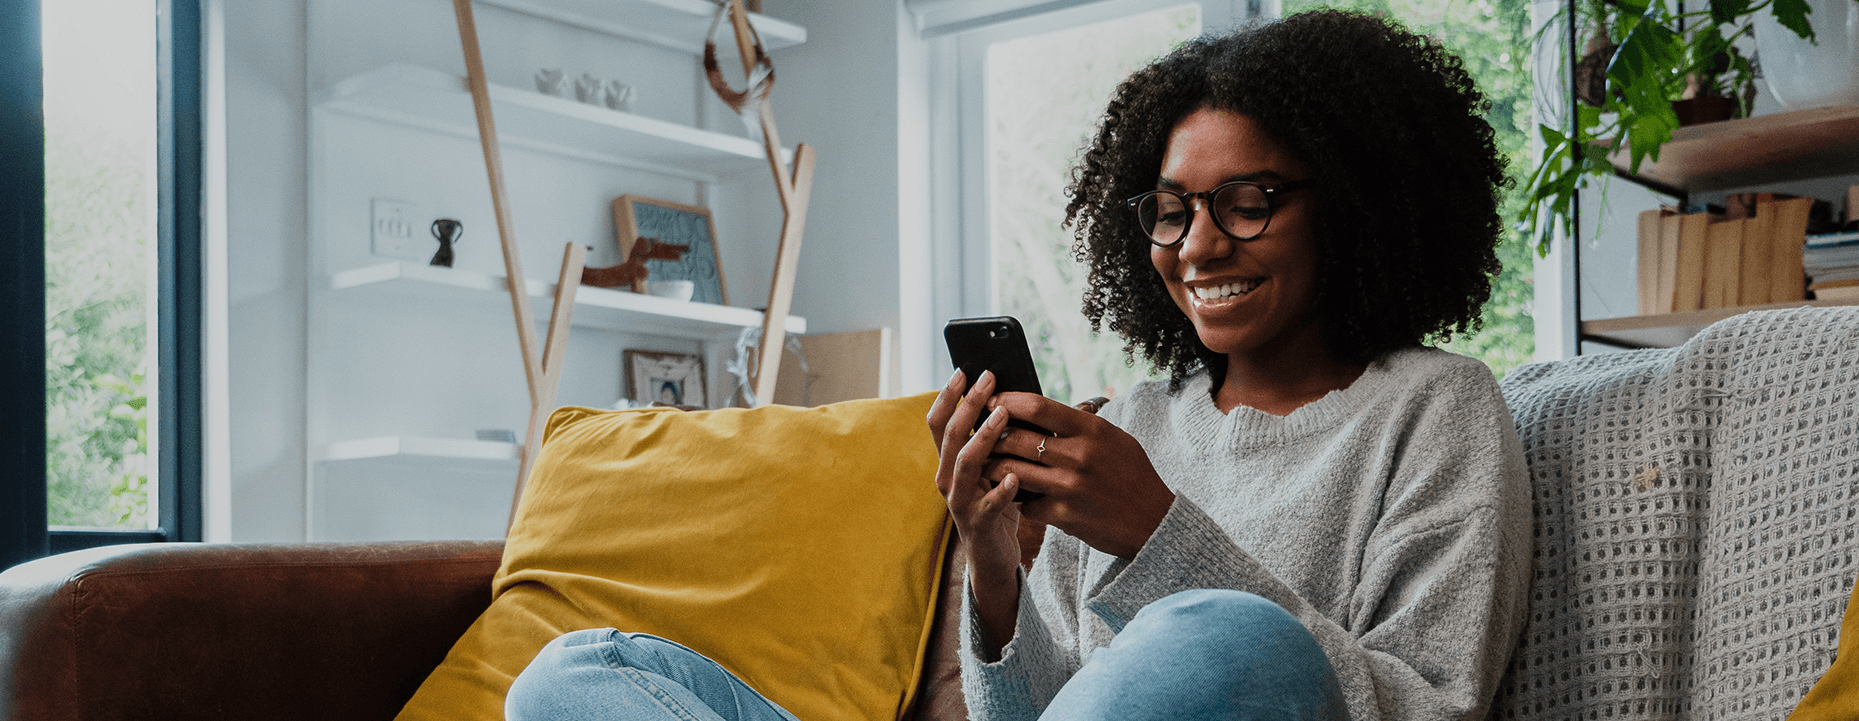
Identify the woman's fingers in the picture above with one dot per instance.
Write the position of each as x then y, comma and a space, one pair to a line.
1034, 446
993, 501
953, 435
966, 481
944, 407
1046, 413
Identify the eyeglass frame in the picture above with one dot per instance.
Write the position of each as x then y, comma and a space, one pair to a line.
1207, 196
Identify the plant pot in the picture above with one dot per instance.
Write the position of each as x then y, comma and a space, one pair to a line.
1704, 109
1802, 75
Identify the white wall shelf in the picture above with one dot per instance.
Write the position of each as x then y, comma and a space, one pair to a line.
676, 24
447, 457
601, 308
439, 101
390, 448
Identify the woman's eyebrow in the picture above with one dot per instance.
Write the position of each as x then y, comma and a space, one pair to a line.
1168, 184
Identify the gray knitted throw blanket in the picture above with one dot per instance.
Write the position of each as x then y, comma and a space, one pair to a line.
1695, 525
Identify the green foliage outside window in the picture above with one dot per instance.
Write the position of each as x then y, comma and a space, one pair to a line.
1493, 38
1046, 94
97, 222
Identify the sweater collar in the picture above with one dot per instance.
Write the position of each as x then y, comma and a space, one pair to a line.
1247, 427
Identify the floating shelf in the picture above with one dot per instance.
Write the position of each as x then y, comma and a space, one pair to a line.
594, 307
1673, 329
435, 100
676, 24
1753, 151
442, 455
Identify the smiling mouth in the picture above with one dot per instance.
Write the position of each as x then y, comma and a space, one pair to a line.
1228, 291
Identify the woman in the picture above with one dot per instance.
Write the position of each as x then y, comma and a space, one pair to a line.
1316, 516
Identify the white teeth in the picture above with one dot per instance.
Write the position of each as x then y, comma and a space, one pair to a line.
1229, 290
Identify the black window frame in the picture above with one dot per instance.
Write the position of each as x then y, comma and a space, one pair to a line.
24, 533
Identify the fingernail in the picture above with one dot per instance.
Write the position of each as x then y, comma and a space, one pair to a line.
955, 380
1010, 481
987, 376
998, 417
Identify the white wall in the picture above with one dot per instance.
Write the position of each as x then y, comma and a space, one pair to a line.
839, 93
266, 265
306, 367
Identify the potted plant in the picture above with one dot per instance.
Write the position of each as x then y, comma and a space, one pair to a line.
1645, 64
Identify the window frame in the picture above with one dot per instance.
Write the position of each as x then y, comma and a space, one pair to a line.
962, 278
24, 533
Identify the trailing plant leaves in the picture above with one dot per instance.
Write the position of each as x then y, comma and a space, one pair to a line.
1792, 14
1631, 11
1724, 12
1641, 70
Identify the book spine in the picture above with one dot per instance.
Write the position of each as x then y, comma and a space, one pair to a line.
1669, 222
1688, 286
1649, 262
1757, 257
1787, 272
1723, 263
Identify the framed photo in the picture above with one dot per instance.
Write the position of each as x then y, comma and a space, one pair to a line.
636, 217
670, 378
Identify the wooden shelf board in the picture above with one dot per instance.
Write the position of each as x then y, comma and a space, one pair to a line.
436, 100
1673, 329
601, 308
676, 24
1754, 151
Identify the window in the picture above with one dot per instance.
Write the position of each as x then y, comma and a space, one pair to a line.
100, 139
1030, 93
1045, 94
1493, 38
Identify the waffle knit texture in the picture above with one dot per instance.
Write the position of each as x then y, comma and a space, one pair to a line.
1391, 518
1695, 524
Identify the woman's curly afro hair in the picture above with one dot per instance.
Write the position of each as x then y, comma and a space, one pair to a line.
1408, 177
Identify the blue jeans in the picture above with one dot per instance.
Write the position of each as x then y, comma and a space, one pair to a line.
1202, 654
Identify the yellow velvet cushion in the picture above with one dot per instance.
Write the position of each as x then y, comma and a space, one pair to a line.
1835, 697
798, 547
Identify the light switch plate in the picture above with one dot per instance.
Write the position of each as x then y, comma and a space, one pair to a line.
395, 230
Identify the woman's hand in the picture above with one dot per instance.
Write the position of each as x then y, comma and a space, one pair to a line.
1100, 486
984, 513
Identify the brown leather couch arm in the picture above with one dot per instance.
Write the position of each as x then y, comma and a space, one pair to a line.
236, 631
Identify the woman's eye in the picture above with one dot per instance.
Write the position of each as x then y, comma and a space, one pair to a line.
1248, 213
1174, 218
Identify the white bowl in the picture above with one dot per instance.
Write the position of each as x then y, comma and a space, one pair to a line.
673, 289
1803, 75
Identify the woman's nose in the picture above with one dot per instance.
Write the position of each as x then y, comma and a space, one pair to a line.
1205, 241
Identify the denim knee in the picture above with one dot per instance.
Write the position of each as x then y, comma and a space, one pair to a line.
1250, 635
1223, 616
1205, 654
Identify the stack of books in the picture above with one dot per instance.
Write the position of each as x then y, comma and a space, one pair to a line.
1831, 261
1749, 254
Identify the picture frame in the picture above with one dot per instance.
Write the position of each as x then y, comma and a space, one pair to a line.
671, 378
636, 216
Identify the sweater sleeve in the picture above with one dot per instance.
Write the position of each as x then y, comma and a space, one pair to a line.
1439, 602
1042, 654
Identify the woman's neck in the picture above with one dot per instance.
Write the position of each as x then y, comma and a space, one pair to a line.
1281, 381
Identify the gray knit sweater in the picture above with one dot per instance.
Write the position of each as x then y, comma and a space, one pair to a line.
1391, 517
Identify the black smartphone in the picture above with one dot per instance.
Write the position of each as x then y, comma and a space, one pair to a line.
995, 344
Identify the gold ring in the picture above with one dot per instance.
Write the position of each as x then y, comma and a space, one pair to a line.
1041, 456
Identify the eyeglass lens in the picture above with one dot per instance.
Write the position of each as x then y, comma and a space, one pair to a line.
1240, 209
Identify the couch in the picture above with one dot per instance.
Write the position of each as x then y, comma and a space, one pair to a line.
1695, 542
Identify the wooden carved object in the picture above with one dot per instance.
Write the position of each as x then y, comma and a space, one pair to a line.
632, 273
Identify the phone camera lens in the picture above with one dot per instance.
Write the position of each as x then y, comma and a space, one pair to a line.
997, 333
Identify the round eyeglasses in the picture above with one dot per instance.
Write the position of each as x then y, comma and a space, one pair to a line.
1240, 209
